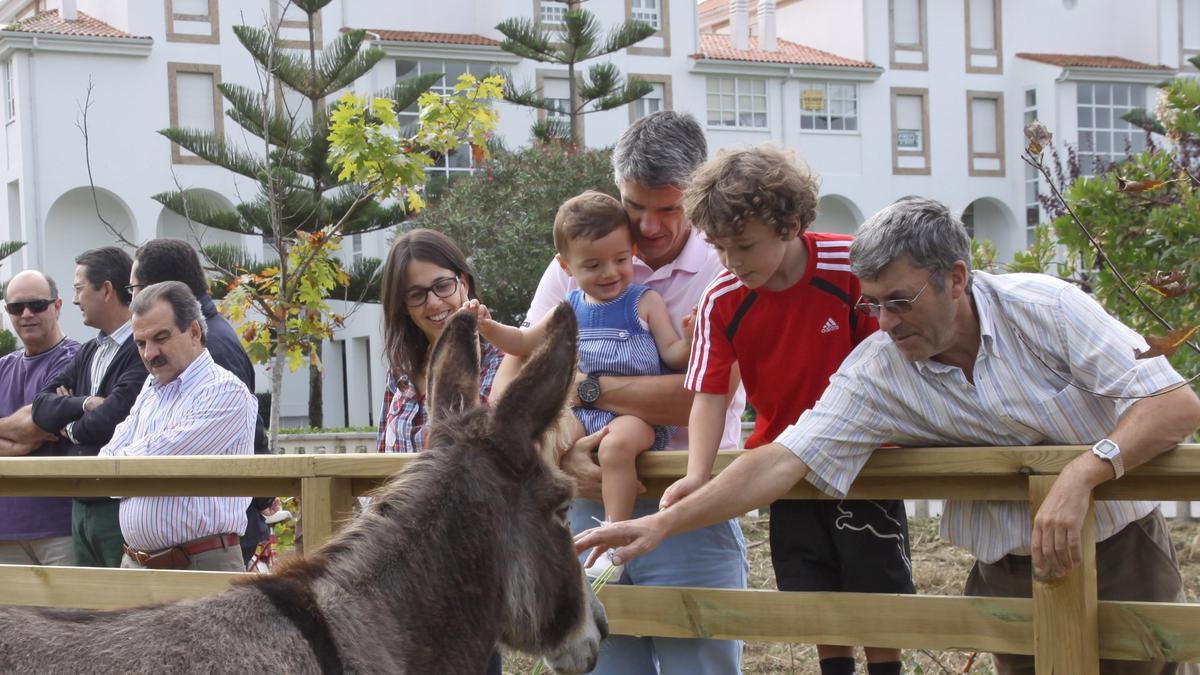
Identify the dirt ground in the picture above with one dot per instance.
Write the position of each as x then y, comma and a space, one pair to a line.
938, 569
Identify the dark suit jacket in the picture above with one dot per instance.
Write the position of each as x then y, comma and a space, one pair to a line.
121, 384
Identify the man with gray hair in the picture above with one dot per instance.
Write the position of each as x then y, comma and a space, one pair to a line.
968, 358
188, 406
652, 164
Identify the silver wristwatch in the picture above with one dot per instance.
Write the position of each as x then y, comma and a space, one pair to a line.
1108, 450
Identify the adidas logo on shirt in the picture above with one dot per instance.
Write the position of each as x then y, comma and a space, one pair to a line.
830, 326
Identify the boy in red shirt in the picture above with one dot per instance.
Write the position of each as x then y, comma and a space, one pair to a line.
784, 315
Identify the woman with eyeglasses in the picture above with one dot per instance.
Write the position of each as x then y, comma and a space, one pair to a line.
425, 280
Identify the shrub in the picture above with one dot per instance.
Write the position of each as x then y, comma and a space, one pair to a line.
502, 215
8, 342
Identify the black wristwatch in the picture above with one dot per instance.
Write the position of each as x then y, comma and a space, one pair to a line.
589, 390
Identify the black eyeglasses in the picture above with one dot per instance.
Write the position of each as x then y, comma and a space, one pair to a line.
132, 288
443, 288
897, 306
36, 306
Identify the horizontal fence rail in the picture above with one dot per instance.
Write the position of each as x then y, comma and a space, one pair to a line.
1063, 626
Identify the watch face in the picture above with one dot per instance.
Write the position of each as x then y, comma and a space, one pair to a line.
1106, 448
589, 391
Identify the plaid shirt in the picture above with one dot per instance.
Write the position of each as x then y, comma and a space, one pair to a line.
402, 422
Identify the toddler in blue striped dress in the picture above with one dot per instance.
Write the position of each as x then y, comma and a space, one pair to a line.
624, 329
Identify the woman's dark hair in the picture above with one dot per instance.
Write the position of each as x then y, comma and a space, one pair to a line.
406, 347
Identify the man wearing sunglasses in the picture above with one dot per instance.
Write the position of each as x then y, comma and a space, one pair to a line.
967, 358
33, 530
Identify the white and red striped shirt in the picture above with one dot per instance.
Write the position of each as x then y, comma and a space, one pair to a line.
204, 411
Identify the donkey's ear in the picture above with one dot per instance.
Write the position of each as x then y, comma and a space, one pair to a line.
454, 368
536, 396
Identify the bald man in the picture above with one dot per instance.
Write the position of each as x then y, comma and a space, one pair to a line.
33, 530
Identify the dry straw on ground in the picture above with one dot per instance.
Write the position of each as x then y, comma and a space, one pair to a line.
938, 569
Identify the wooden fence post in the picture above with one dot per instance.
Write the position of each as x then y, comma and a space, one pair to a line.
324, 504
1066, 628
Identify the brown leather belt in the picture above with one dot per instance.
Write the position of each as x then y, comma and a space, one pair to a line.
179, 557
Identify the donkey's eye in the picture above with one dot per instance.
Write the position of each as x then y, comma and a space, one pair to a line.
562, 514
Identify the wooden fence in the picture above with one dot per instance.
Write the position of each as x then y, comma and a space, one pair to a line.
1063, 626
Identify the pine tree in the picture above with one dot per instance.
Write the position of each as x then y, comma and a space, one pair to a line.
298, 192
578, 39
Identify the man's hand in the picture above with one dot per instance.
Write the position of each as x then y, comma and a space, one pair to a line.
573, 392
680, 489
577, 463
634, 537
20, 429
63, 390
92, 402
1058, 526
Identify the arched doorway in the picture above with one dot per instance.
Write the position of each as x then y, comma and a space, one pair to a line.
989, 219
73, 227
838, 214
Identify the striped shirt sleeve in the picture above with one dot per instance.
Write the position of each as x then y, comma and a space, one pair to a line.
836, 437
1101, 352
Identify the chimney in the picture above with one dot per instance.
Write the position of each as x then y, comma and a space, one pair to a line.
766, 25
739, 24
68, 12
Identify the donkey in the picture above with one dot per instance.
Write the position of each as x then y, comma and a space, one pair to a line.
467, 547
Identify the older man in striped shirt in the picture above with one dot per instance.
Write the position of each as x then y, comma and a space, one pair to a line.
967, 358
188, 406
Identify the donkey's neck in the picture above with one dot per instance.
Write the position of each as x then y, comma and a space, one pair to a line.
429, 553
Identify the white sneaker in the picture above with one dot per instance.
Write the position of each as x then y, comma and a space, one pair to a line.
602, 565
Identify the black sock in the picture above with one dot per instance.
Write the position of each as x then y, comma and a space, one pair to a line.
838, 665
884, 668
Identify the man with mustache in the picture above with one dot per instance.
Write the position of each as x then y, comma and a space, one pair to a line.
967, 358
33, 530
87, 400
161, 260
188, 406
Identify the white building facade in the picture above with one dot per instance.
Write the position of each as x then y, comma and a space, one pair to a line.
883, 98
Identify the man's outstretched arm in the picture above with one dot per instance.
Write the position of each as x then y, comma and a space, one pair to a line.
755, 479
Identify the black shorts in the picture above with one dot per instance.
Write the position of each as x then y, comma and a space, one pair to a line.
858, 546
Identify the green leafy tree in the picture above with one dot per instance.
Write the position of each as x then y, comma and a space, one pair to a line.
502, 216
577, 39
1133, 228
302, 201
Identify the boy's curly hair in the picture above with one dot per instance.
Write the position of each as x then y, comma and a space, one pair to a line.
591, 216
763, 182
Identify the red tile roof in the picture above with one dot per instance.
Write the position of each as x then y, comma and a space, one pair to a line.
720, 47
1089, 61
443, 38
50, 23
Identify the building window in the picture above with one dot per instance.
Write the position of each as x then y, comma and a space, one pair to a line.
658, 99
1105, 138
647, 11
985, 133
907, 33
910, 131
10, 96
459, 160
193, 21
739, 102
551, 13
1189, 31
356, 248
293, 25
1033, 186
828, 106
983, 36
195, 103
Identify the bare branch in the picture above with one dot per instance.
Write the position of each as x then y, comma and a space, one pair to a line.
81, 123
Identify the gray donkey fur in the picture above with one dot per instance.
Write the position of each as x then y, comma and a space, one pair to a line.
467, 547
